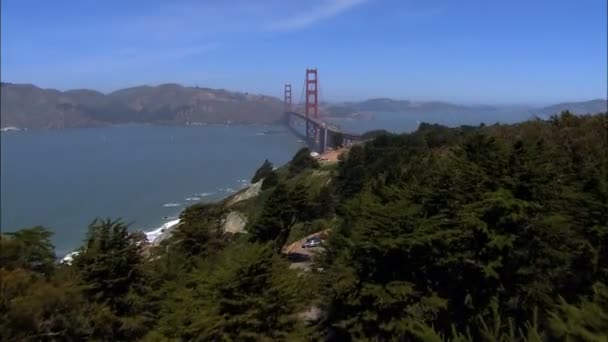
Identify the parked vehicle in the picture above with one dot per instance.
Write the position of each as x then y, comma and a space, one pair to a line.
312, 242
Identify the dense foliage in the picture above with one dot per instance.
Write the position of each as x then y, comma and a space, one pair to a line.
301, 161
272, 179
28, 249
490, 233
263, 171
445, 225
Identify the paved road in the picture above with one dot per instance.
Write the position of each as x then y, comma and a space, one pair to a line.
302, 257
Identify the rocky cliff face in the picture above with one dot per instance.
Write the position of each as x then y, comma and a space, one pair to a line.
27, 106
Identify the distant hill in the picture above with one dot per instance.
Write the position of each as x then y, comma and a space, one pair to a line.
28, 106
390, 105
430, 107
585, 107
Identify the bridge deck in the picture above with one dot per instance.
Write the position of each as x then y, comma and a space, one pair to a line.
326, 125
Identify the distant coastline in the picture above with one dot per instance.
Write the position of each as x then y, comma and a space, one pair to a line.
27, 106
139, 124
156, 235
108, 162
12, 129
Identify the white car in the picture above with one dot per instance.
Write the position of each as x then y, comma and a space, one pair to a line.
312, 242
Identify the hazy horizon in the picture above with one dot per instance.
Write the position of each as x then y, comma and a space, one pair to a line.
331, 101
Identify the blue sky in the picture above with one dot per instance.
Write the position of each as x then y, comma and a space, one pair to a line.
468, 51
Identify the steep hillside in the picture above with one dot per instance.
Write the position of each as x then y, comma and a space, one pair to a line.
489, 233
27, 106
486, 233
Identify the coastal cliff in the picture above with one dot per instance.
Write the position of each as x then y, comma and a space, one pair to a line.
464, 234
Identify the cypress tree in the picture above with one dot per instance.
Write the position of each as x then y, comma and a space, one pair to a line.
262, 172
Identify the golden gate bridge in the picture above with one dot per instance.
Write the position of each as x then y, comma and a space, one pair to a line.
319, 134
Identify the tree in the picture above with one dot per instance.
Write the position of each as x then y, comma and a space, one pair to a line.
109, 265
299, 201
325, 202
448, 229
272, 179
302, 161
276, 219
351, 172
29, 248
32, 308
262, 172
109, 260
587, 322
372, 272
199, 232
246, 293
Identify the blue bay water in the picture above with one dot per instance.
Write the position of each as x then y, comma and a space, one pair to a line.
63, 179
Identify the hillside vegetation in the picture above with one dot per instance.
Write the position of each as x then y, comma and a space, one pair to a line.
489, 233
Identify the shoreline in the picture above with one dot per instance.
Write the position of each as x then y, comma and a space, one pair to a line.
160, 233
155, 234
160, 205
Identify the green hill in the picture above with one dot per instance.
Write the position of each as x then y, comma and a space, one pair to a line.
489, 233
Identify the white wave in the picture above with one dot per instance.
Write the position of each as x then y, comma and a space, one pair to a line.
193, 199
150, 236
154, 234
206, 194
171, 205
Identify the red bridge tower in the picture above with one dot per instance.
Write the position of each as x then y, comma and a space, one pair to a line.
312, 104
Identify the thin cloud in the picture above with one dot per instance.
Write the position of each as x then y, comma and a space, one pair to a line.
330, 8
130, 57
188, 51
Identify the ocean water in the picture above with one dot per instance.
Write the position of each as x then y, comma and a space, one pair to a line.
63, 179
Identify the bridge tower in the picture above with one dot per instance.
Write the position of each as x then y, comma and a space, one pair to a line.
312, 105
320, 134
287, 98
